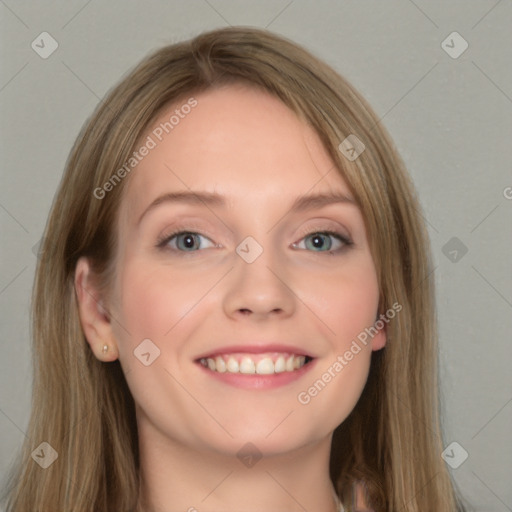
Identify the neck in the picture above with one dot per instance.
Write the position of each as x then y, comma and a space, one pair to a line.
175, 477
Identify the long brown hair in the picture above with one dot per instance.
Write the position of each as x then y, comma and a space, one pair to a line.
83, 408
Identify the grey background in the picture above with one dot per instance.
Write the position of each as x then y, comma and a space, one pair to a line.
450, 119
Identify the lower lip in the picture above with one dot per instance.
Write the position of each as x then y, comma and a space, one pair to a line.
256, 381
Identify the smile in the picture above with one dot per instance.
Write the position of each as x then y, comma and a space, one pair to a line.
260, 364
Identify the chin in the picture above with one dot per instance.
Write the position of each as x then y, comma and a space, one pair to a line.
259, 439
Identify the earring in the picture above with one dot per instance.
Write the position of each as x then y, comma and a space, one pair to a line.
105, 349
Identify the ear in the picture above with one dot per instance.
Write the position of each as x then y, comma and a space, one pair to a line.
380, 338
94, 318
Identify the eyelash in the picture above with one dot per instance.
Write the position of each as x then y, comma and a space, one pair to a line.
165, 239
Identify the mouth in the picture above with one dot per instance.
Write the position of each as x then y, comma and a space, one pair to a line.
269, 363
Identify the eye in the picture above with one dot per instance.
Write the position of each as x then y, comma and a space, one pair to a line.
185, 241
323, 241
317, 241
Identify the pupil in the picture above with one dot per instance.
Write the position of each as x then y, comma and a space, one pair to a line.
189, 241
317, 241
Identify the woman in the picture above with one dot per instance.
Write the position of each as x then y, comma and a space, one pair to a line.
234, 310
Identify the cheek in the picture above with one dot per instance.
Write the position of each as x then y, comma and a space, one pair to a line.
153, 299
345, 310
345, 303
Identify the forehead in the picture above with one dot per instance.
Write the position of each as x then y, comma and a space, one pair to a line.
236, 141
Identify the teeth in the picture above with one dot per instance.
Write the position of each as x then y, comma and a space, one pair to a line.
280, 365
232, 365
298, 362
265, 366
247, 365
220, 364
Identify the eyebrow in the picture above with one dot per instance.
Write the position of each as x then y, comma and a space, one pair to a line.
303, 203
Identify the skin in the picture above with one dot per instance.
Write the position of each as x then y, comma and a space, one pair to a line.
250, 148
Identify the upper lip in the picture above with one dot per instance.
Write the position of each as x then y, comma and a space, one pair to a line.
256, 348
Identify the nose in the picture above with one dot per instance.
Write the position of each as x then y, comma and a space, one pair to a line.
259, 289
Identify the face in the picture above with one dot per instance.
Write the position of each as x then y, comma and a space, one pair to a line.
248, 292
